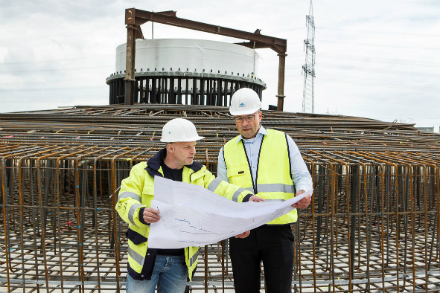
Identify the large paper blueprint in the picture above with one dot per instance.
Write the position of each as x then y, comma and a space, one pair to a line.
194, 216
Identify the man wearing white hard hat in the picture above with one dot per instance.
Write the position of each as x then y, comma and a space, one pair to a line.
269, 163
167, 268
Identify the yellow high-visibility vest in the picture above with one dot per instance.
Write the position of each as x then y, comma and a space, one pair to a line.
274, 181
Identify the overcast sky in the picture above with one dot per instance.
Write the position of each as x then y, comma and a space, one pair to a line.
377, 59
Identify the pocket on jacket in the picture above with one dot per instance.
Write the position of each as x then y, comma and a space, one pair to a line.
148, 190
238, 171
147, 194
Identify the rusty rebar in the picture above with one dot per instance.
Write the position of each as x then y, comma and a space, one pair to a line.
372, 225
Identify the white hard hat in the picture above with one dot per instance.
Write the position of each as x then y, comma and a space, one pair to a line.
244, 102
179, 129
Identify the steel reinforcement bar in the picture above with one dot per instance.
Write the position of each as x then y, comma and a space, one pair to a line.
372, 225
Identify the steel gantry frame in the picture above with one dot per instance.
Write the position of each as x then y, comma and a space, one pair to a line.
134, 18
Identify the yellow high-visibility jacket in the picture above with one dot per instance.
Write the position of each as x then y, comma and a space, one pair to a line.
137, 192
274, 181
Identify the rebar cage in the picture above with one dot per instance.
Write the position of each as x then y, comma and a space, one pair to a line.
372, 225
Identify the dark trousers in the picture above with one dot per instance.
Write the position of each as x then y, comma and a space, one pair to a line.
272, 244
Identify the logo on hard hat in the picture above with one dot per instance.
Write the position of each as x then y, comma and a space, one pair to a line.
242, 105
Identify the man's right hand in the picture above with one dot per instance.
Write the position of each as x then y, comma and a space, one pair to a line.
151, 215
255, 198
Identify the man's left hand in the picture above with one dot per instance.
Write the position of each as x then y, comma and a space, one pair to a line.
303, 203
243, 235
255, 198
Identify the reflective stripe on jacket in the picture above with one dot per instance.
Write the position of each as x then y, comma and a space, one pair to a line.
137, 192
274, 181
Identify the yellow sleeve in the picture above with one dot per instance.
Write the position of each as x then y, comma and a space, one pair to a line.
225, 189
129, 198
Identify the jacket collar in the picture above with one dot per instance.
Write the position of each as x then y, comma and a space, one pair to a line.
153, 164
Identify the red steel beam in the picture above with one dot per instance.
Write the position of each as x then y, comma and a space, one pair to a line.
135, 16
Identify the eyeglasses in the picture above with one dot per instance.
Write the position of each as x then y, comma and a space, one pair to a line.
248, 118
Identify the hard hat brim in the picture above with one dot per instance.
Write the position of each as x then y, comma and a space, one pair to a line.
244, 112
194, 138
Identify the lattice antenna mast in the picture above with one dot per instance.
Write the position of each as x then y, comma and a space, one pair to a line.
308, 103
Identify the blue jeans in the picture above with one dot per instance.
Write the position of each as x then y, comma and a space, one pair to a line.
170, 272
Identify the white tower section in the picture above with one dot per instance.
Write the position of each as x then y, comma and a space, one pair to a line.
186, 71
191, 55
